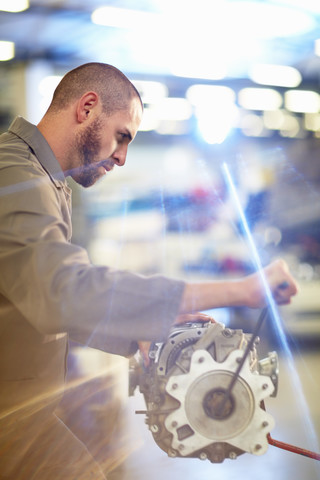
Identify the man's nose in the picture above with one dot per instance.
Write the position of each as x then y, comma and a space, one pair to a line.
120, 155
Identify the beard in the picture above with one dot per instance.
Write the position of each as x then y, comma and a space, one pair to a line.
87, 147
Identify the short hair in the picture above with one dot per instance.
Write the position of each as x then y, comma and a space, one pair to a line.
113, 87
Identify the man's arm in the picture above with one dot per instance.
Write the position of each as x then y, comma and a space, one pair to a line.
249, 291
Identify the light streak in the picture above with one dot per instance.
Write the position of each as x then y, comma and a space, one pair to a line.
273, 309
36, 403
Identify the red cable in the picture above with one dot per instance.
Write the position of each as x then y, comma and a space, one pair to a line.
291, 448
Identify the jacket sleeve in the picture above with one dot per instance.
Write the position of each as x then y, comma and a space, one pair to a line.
52, 283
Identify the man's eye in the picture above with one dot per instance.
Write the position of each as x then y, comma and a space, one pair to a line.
124, 136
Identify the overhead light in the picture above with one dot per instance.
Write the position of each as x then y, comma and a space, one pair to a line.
312, 6
273, 119
302, 101
177, 109
269, 20
312, 122
6, 51
259, 99
290, 126
232, 20
287, 124
149, 120
198, 69
215, 111
279, 75
214, 127
216, 95
166, 115
172, 127
14, 5
252, 125
151, 92
123, 17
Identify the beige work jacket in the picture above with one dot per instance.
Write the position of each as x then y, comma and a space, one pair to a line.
49, 290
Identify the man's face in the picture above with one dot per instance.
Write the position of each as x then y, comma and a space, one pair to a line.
104, 142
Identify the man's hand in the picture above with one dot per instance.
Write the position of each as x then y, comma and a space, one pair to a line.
281, 283
248, 291
183, 318
193, 317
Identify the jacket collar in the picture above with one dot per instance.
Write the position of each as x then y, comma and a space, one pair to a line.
30, 134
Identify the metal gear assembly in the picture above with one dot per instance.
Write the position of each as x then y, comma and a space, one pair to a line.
191, 409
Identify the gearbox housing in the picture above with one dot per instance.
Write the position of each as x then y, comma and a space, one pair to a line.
189, 408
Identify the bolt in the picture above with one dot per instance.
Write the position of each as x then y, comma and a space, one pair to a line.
203, 456
181, 446
154, 428
232, 455
264, 386
265, 424
217, 458
174, 424
201, 360
227, 332
172, 453
257, 447
174, 386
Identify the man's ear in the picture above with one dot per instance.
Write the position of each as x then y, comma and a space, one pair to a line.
86, 104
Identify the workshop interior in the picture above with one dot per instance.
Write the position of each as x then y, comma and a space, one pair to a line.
222, 178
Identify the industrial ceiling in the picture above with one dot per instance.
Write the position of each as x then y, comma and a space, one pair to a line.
172, 36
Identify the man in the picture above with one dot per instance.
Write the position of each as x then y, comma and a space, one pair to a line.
50, 291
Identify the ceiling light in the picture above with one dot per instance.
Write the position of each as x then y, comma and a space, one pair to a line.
290, 126
14, 5
269, 20
232, 20
177, 109
151, 92
252, 125
215, 111
312, 122
6, 51
312, 6
198, 69
172, 128
279, 75
123, 18
303, 101
214, 94
273, 119
260, 99
149, 120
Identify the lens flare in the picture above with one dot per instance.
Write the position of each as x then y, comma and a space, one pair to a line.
273, 309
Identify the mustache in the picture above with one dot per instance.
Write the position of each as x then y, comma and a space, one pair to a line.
108, 165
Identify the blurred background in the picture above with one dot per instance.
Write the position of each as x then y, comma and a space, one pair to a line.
231, 96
